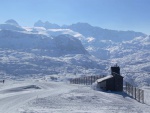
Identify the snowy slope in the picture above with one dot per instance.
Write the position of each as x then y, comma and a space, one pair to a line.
43, 96
24, 64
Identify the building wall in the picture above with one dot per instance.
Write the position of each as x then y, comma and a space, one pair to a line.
102, 85
110, 84
118, 83
113, 84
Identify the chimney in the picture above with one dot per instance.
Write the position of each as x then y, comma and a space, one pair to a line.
115, 70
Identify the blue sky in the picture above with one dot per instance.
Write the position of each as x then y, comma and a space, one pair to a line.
109, 14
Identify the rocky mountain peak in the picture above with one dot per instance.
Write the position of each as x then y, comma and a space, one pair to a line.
12, 22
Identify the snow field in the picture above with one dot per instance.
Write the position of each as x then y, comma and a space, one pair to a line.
57, 97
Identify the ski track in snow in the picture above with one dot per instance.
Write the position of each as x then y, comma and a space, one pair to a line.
58, 97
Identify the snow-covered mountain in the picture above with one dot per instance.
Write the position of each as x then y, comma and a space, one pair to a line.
134, 57
12, 22
91, 31
46, 25
11, 25
34, 51
96, 40
79, 49
129, 49
55, 46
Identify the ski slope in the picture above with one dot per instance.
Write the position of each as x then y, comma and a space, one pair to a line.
42, 96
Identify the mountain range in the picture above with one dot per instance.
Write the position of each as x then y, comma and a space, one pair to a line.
92, 31
72, 50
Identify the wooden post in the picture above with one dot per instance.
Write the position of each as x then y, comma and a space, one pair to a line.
129, 89
138, 95
135, 93
81, 80
94, 78
91, 80
70, 81
143, 96
132, 91
126, 86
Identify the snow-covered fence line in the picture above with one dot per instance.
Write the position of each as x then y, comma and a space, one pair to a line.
147, 96
136, 93
88, 80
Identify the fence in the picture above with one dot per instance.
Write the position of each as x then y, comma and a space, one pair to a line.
147, 96
136, 93
89, 80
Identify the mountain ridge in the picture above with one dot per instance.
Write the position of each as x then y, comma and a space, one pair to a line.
98, 32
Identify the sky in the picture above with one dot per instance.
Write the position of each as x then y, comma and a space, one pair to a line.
109, 14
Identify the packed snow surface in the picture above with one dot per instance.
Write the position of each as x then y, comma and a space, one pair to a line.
45, 96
